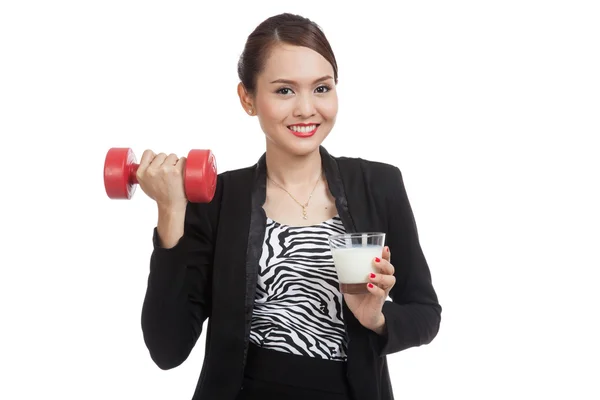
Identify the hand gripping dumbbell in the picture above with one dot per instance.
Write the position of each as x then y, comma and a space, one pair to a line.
200, 175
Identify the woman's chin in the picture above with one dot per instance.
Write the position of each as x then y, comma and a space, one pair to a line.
303, 147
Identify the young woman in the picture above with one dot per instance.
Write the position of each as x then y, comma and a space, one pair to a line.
255, 261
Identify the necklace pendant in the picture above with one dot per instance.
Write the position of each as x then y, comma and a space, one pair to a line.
304, 213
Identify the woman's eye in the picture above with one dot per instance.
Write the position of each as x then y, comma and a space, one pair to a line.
323, 89
284, 91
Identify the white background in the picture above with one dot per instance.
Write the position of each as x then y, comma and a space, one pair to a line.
490, 109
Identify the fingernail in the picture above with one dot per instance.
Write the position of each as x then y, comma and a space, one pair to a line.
372, 276
370, 286
377, 259
387, 249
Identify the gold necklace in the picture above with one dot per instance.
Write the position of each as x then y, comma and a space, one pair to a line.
304, 213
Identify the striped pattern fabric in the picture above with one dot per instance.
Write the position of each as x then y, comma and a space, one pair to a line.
298, 304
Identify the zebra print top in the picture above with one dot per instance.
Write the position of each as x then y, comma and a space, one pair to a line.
298, 304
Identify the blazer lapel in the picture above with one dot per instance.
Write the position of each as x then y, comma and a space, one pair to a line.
336, 187
256, 234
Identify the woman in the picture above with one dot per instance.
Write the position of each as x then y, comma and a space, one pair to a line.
278, 326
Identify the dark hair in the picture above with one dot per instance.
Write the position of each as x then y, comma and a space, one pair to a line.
283, 28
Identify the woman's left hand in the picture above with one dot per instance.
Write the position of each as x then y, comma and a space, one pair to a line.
367, 308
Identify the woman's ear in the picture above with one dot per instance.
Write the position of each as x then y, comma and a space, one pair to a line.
246, 99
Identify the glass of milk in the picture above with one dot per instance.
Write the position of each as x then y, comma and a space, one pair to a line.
353, 255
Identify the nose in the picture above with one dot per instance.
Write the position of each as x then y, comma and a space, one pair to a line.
304, 106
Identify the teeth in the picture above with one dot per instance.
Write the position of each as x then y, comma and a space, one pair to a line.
303, 129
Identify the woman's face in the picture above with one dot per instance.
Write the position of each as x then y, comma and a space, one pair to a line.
295, 100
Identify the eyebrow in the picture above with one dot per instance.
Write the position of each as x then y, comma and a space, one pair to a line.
290, 82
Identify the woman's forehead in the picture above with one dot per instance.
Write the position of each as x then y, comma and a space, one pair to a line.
295, 63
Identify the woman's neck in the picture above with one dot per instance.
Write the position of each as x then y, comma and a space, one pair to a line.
293, 171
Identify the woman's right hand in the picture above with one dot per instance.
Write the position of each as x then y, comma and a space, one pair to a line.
161, 177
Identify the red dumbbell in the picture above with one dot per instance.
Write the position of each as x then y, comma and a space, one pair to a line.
200, 176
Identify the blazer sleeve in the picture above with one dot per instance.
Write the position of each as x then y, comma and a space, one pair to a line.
179, 289
413, 316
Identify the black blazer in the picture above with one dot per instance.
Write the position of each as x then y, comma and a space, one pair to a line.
212, 273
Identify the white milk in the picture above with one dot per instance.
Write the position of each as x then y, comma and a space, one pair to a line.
354, 264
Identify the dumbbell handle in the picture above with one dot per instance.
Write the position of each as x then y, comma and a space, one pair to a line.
133, 174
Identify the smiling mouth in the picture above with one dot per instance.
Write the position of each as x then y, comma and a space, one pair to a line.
303, 130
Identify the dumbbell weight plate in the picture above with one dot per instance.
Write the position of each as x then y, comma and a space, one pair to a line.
200, 176
119, 174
